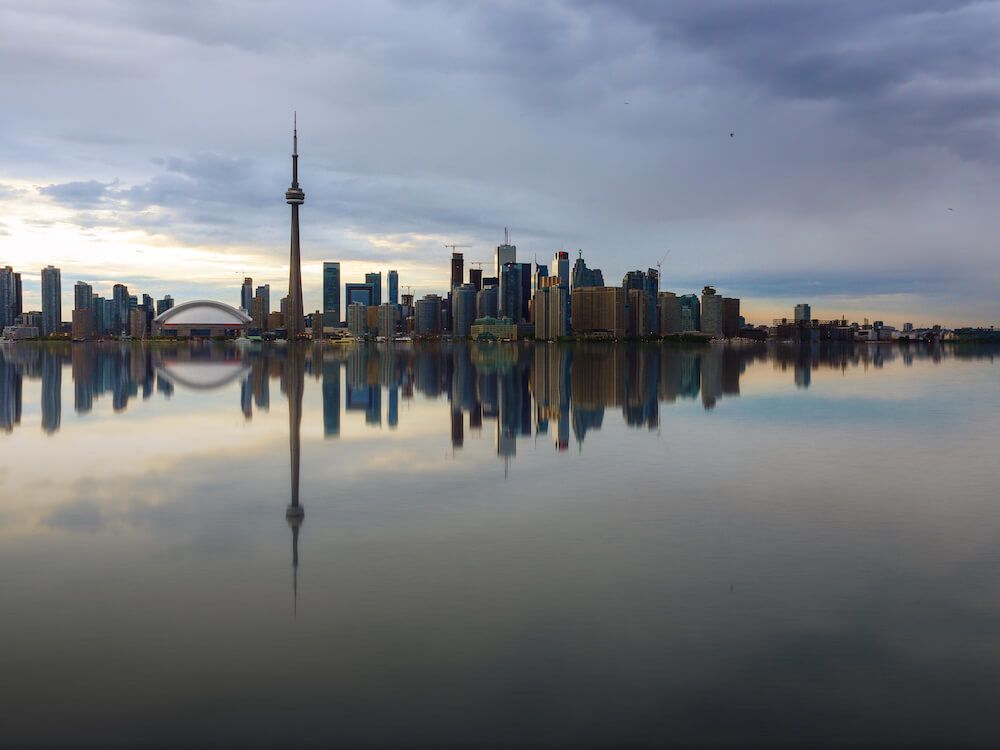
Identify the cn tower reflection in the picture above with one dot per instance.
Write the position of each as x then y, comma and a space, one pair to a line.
294, 382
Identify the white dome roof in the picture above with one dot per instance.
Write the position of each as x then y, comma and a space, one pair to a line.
203, 312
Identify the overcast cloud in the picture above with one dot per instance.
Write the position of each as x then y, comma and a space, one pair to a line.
862, 173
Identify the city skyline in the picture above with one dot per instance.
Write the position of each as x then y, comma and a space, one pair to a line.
626, 130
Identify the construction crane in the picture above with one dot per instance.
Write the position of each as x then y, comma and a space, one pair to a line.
455, 246
659, 270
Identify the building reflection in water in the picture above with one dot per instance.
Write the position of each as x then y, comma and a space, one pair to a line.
559, 392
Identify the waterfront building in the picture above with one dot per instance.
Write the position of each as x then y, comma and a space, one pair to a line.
137, 323
388, 315
331, 293
599, 310
803, 312
275, 321
690, 312
361, 293
119, 295
393, 285
83, 324
51, 300
264, 292
550, 305
8, 295
711, 312
200, 319
730, 317
295, 197
357, 319
428, 316
18, 295
497, 328
316, 325
83, 296
257, 315
670, 313
637, 313
515, 291
246, 294
375, 281
463, 309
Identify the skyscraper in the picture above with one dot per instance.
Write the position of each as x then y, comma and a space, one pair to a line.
583, 277
476, 278
83, 296
18, 295
246, 293
119, 296
803, 312
506, 253
375, 279
8, 296
164, 304
295, 322
463, 309
457, 269
560, 267
711, 312
264, 294
393, 283
331, 293
51, 300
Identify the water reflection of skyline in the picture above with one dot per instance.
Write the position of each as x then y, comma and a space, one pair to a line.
559, 391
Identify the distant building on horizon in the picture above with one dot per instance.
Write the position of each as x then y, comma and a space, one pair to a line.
803, 312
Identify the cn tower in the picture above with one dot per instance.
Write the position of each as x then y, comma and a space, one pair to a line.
295, 322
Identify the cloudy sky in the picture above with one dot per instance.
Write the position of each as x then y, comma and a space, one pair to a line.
147, 142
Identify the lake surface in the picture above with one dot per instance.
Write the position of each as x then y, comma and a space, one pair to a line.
501, 545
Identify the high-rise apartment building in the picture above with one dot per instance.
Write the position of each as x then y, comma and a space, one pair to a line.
730, 317
83, 296
711, 312
637, 309
18, 295
8, 294
428, 315
388, 314
120, 295
246, 294
357, 318
264, 292
690, 312
463, 311
803, 312
375, 280
476, 278
166, 304
331, 293
549, 307
670, 313
392, 282
51, 300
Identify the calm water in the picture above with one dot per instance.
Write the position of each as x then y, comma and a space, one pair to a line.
501, 545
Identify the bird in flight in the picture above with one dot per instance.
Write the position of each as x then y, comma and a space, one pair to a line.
732, 135
951, 209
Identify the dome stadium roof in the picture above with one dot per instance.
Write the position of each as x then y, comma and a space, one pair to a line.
203, 312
